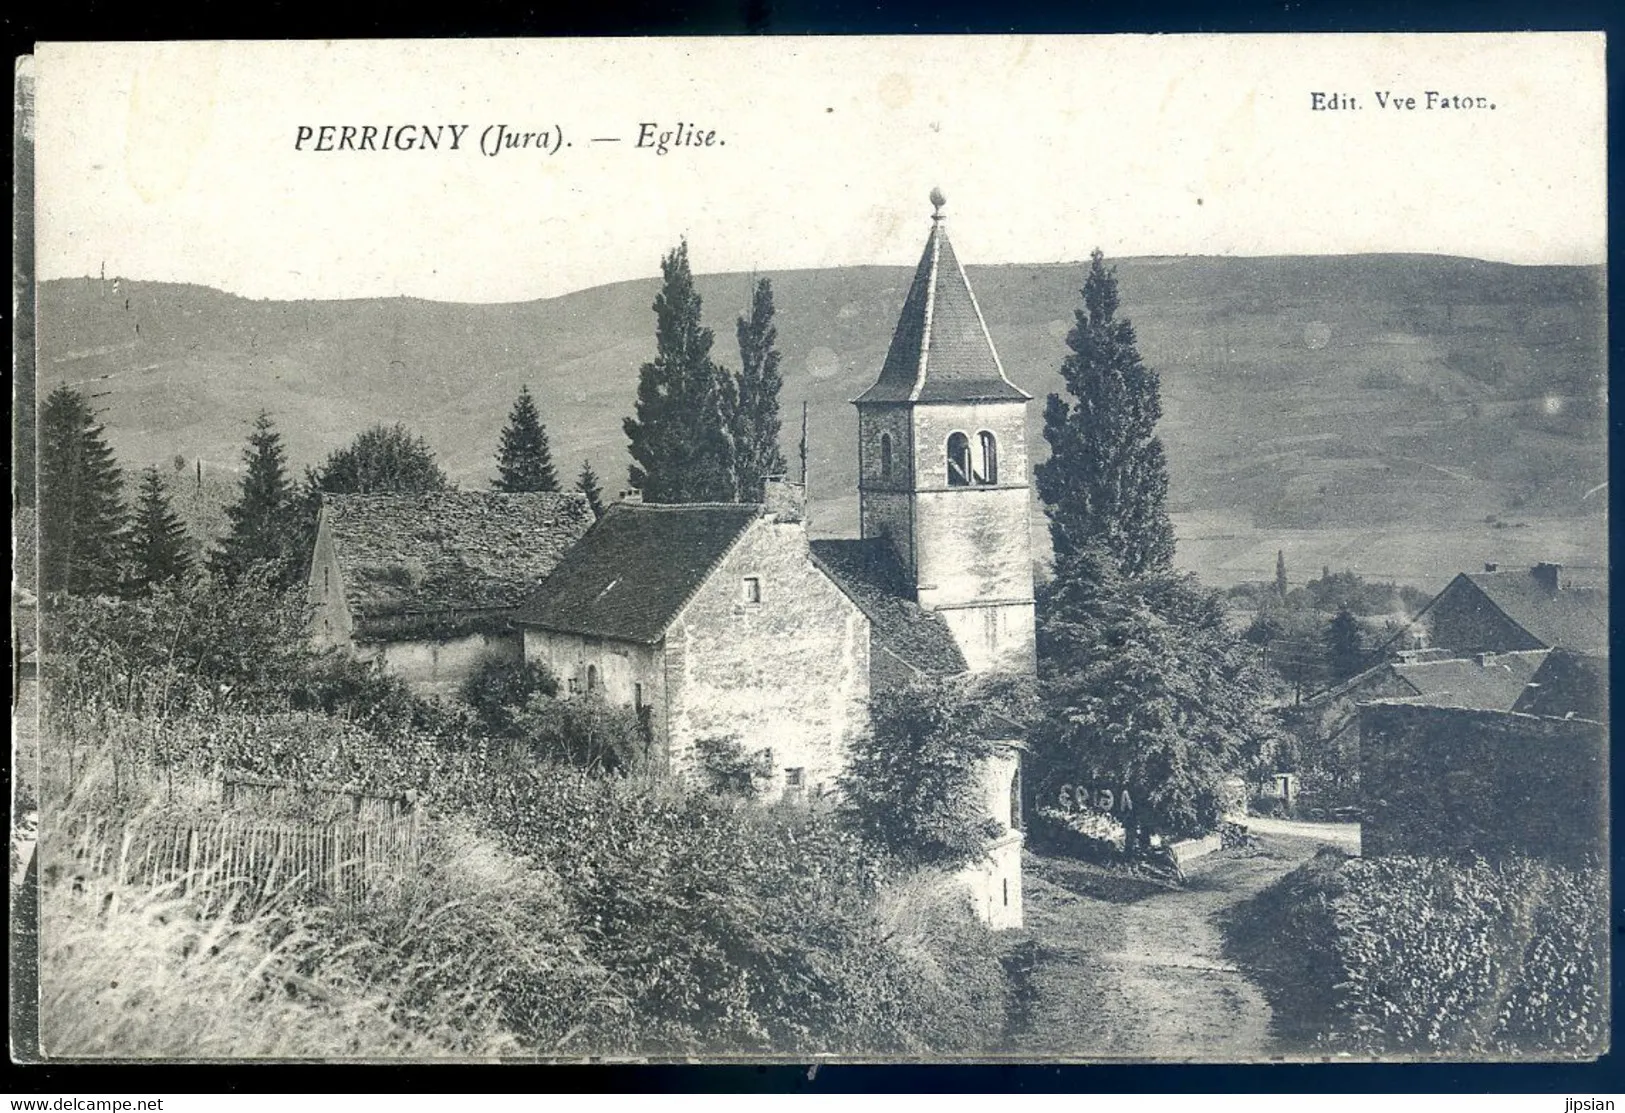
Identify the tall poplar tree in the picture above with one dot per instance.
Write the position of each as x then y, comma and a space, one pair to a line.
1106, 481
678, 435
81, 506
755, 414
157, 537
587, 483
266, 525
524, 461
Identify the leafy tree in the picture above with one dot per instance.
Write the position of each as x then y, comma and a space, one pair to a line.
82, 515
1280, 573
678, 436
524, 461
755, 410
1345, 651
265, 524
1106, 481
385, 459
913, 785
1145, 689
158, 550
587, 483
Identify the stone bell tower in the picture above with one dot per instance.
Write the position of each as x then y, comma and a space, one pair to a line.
942, 465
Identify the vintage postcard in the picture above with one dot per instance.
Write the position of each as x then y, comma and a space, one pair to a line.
1068, 549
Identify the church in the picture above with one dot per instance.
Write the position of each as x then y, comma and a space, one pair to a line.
725, 621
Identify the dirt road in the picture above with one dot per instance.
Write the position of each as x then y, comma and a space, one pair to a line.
1126, 968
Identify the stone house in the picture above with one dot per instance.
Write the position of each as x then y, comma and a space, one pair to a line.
714, 620
1497, 611
426, 585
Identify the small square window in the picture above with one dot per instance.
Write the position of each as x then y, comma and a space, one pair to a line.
794, 777
753, 589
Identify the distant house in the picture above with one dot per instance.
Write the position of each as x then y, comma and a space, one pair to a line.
1496, 612
1485, 682
426, 585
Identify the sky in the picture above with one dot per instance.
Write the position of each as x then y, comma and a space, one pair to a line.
178, 162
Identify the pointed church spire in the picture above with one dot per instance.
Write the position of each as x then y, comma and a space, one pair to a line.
941, 350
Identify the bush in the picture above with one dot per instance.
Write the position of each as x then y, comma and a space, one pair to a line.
914, 783
585, 730
733, 929
500, 687
1430, 956
727, 769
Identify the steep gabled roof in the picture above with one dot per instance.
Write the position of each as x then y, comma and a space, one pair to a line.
636, 569
906, 639
1571, 617
452, 552
941, 350
1493, 683
1568, 684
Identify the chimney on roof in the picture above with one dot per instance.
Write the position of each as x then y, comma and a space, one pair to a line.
785, 501
631, 494
1485, 660
1491, 566
1545, 574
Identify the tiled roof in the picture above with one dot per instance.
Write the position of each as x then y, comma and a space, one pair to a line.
636, 569
1571, 617
1567, 684
941, 350
906, 639
407, 556
1493, 685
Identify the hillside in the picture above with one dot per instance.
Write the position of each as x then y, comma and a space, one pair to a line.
1403, 415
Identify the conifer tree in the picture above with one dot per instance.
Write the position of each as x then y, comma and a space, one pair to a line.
678, 435
1345, 650
524, 461
1106, 481
157, 538
81, 506
266, 526
755, 411
1280, 573
587, 483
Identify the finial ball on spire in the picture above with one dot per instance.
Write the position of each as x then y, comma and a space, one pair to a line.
937, 201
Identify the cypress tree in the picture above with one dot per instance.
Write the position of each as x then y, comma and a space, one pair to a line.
81, 506
524, 461
587, 483
755, 412
678, 436
1280, 573
1106, 481
157, 539
266, 525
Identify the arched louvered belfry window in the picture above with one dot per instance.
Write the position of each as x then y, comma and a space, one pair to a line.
987, 460
958, 460
885, 455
